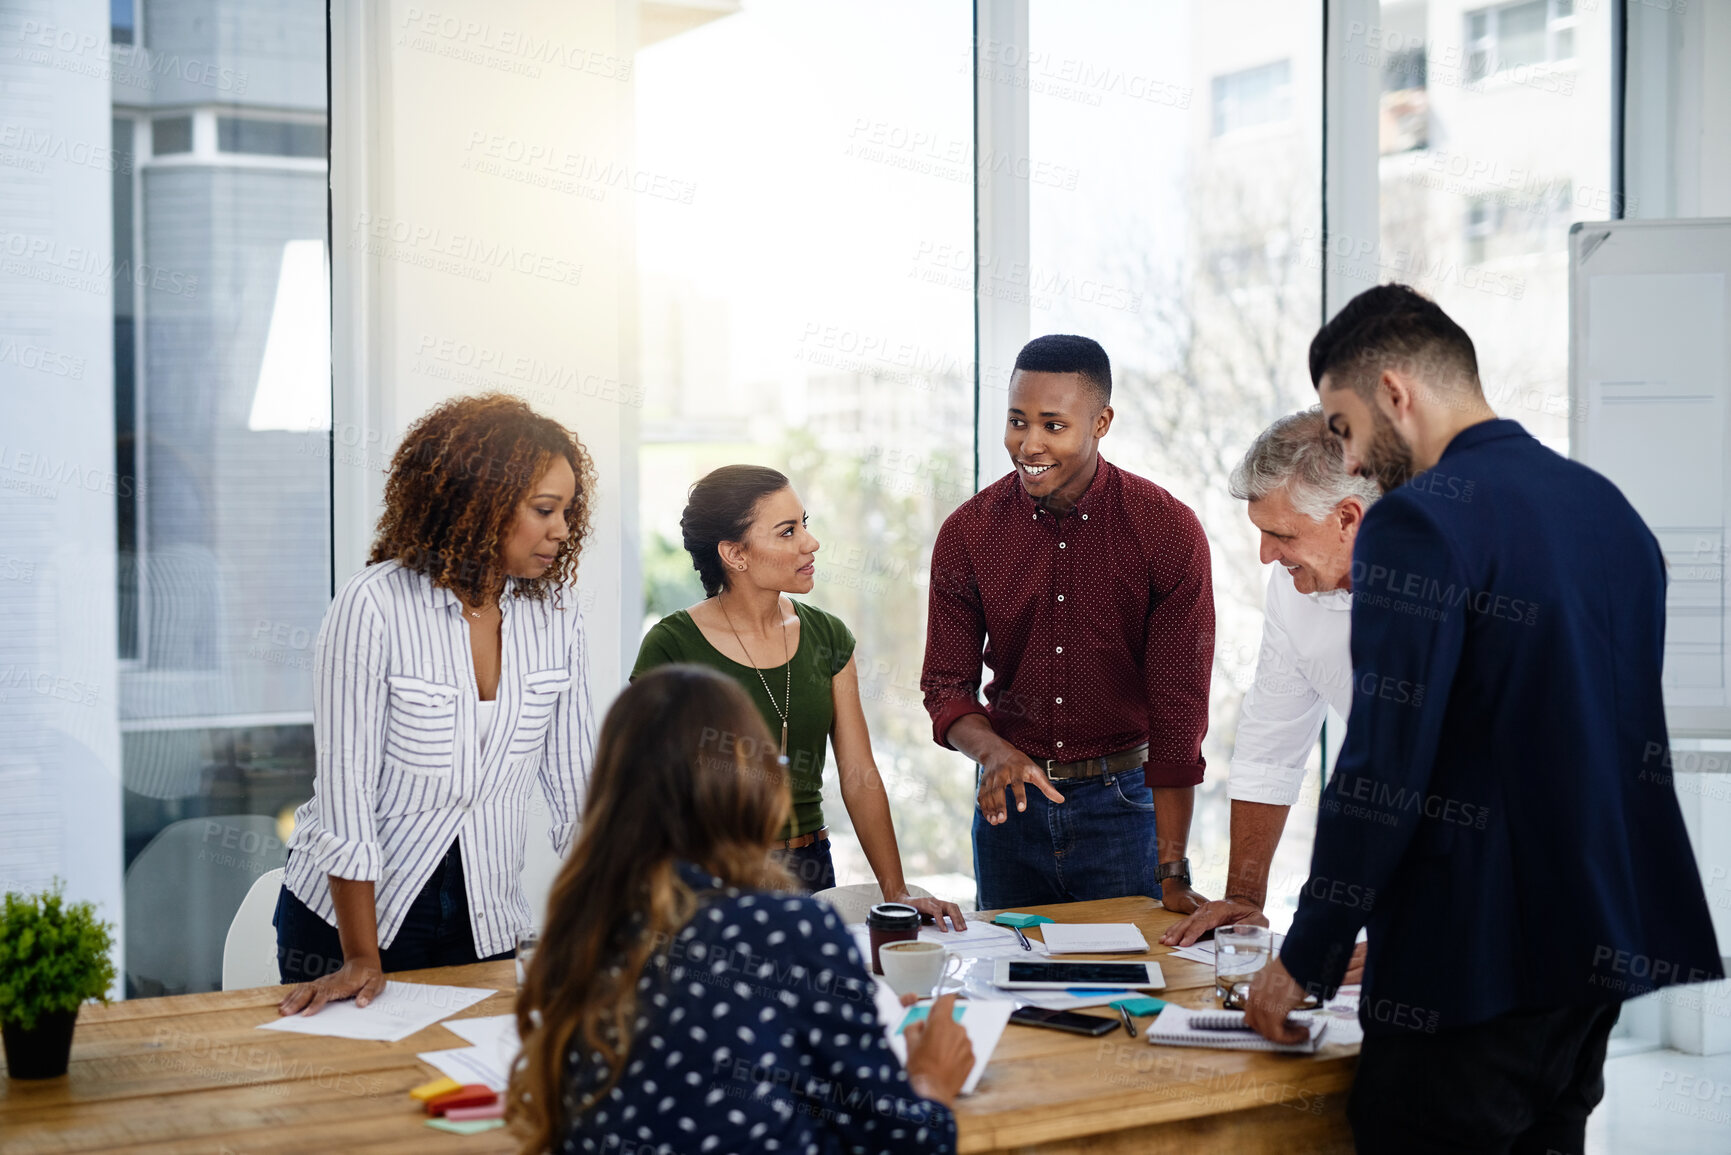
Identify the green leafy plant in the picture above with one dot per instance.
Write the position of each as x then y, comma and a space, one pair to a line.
54, 955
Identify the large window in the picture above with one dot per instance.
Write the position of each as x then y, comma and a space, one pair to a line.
1183, 244
806, 302
797, 284
1489, 152
171, 258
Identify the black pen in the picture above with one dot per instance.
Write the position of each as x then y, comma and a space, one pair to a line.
1026, 945
1129, 1027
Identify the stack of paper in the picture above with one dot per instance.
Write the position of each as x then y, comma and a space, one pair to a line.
1093, 938
399, 1012
1180, 1027
980, 940
490, 1057
983, 1019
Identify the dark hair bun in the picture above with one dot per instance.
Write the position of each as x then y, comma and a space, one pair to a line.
719, 508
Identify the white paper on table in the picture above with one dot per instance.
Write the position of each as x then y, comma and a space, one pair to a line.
980, 940
1341, 1014
400, 1011
469, 1065
486, 1031
1203, 952
984, 1021
983, 940
1093, 938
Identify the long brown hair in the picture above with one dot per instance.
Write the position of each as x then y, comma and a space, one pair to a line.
456, 482
684, 769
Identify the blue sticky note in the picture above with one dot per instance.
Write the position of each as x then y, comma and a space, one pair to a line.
1011, 918
1090, 992
918, 1012
1141, 1007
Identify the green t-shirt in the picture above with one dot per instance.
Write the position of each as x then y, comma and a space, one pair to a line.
825, 645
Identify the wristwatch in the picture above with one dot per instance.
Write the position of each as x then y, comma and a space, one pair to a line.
1179, 870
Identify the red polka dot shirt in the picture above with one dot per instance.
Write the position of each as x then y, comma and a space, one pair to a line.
1097, 624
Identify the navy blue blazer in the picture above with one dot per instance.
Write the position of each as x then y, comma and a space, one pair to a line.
1502, 816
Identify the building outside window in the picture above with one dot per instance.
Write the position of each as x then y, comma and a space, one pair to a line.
180, 250
1180, 240
1511, 36
1252, 96
846, 362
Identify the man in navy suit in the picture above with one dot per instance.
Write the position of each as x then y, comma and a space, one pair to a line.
1501, 817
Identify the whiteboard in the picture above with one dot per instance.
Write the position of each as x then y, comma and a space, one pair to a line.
1649, 406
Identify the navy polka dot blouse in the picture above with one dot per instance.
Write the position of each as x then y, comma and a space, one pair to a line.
756, 1031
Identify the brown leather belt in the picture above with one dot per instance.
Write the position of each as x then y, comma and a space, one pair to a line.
1119, 763
821, 834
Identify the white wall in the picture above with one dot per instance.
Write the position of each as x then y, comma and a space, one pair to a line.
1677, 163
475, 249
59, 729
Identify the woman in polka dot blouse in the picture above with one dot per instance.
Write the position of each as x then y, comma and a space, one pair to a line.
683, 1000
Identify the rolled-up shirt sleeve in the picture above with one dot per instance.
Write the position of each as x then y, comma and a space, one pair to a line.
1178, 660
1279, 721
349, 677
564, 772
955, 635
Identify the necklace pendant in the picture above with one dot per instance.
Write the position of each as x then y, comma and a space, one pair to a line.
784, 737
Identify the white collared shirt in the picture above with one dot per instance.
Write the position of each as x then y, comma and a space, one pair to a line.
402, 769
1304, 667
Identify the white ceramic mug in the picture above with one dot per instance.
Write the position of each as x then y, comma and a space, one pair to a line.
916, 967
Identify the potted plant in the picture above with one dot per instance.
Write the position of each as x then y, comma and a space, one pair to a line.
53, 957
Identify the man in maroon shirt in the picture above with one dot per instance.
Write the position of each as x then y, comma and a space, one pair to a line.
1086, 590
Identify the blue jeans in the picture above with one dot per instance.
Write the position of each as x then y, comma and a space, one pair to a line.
435, 933
810, 866
1099, 844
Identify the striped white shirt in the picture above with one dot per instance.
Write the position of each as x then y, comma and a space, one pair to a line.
403, 771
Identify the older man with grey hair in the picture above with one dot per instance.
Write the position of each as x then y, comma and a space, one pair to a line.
1308, 509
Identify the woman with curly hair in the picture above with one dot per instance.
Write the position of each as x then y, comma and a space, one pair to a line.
449, 675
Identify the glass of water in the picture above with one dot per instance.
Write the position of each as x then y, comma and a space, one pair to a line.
526, 947
1240, 951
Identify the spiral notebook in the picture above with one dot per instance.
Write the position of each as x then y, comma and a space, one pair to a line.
1177, 1026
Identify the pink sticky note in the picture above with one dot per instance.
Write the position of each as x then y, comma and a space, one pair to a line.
494, 1110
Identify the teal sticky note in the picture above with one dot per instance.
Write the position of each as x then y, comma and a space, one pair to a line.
1011, 918
465, 1126
1091, 992
918, 1013
1141, 1006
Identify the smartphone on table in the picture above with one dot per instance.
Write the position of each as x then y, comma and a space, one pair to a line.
1091, 1025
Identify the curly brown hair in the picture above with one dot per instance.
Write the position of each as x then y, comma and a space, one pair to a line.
456, 482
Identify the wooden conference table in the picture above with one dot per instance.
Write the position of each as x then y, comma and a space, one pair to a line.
191, 1074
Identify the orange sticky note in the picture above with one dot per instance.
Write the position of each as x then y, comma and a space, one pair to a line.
434, 1089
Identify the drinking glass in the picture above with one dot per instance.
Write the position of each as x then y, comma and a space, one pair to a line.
1239, 952
526, 953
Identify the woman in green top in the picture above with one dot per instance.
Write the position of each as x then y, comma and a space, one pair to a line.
745, 529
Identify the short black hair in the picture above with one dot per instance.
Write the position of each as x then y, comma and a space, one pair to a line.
1068, 353
1393, 324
